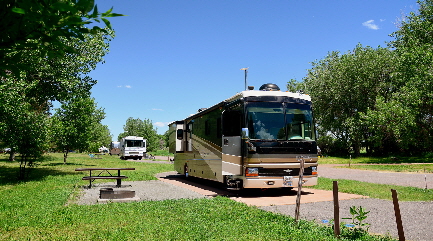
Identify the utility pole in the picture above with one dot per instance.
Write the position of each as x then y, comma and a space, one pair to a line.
246, 73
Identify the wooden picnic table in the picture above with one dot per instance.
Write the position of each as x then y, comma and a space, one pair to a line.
103, 170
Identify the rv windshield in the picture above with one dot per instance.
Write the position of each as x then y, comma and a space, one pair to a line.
134, 143
279, 121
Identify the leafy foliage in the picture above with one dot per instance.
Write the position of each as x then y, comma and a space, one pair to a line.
74, 124
343, 86
359, 214
46, 52
44, 25
382, 98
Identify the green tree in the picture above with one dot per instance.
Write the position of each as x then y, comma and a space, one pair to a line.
343, 87
54, 79
44, 25
143, 128
100, 137
46, 50
23, 127
295, 86
166, 137
413, 98
74, 123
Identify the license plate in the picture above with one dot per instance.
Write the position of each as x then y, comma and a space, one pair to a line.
287, 181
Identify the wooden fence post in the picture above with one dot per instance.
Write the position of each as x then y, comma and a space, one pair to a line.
397, 215
336, 210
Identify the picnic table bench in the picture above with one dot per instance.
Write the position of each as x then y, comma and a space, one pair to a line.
105, 171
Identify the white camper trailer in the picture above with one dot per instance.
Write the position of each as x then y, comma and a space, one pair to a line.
132, 147
255, 139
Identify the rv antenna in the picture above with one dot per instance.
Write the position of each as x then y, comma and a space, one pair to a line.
246, 72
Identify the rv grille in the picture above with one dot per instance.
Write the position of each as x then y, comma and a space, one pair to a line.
278, 172
288, 147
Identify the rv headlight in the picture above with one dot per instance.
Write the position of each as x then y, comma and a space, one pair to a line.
314, 170
252, 172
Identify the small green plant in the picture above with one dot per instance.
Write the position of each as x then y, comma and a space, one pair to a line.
359, 214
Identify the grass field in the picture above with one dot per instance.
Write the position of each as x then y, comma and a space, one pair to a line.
389, 164
42, 208
373, 190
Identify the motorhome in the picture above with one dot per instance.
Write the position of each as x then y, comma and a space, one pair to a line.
132, 147
254, 139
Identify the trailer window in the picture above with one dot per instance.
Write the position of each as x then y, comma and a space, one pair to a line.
134, 143
179, 134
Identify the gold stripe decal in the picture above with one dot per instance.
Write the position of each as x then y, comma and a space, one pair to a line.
231, 165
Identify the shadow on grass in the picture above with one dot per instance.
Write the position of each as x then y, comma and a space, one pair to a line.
10, 171
10, 175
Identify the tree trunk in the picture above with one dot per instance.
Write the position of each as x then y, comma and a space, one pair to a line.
12, 156
65, 156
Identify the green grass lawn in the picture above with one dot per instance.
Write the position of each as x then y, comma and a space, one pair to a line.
42, 208
389, 164
373, 190
381, 191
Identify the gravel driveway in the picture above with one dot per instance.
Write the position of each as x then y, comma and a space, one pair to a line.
416, 216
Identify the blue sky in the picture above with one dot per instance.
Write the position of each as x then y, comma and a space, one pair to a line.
171, 57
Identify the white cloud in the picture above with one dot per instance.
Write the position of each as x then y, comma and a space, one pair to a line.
128, 86
119, 86
157, 109
370, 24
161, 124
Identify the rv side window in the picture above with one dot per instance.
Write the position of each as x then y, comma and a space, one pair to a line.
180, 134
207, 127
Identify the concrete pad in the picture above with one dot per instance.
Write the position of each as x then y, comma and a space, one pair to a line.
259, 198
122, 200
307, 196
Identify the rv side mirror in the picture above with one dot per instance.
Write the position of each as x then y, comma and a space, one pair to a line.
245, 133
179, 134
